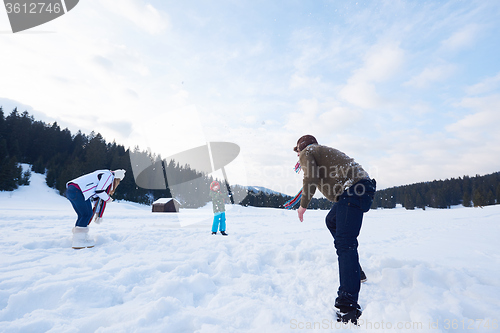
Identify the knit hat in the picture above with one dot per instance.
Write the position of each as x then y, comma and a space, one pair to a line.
214, 184
120, 174
303, 142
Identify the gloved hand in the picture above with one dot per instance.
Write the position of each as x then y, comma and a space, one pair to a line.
110, 200
98, 220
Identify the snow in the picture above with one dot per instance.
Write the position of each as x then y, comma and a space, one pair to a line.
428, 271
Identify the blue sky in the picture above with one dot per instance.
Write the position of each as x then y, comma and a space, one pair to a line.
410, 89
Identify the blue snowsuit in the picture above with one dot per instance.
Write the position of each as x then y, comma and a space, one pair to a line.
219, 211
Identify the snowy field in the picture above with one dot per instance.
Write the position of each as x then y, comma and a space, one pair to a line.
428, 271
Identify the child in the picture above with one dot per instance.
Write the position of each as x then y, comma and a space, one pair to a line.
219, 209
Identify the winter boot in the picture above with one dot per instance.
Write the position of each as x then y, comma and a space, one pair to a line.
223, 233
214, 233
349, 317
363, 277
81, 238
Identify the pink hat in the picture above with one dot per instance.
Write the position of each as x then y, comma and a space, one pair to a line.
214, 184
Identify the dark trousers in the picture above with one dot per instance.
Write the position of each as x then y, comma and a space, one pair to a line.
344, 222
82, 207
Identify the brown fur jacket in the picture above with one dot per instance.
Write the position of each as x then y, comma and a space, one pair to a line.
329, 170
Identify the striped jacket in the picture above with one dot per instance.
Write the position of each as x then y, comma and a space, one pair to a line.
94, 184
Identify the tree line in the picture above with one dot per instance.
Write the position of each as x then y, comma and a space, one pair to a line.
63, 156
477, 191
278, 200
468, 191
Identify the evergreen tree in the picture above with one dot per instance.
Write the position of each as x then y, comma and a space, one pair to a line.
375, 203
70, 170
2, 124
38, 166
95, 153
466, 201
441, 200
419, 201
409, 203
25, 178
10, 174
4, 153
478, 199
51, 177
490, 198
498, 194
5, 173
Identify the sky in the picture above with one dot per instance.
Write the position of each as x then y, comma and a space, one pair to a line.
409, 89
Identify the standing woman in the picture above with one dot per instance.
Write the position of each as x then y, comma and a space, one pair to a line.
98, 185
344, 182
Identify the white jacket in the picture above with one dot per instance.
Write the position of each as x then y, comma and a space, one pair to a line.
94, 183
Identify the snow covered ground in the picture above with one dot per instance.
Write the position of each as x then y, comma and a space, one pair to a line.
428, 271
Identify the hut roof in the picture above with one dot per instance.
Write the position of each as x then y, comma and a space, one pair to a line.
164, 200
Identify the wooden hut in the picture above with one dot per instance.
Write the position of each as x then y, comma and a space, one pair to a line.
166, 205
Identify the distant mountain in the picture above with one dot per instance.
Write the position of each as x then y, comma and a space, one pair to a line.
257, 189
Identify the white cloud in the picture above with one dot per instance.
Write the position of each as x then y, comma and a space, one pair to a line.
466, 146
298, 81
421, 108
482, 125
305, 119
324, 119
411, 156
143, 15
361, 94
463, 38
307, 45
431, 75
487, 85
381, 63
339, 117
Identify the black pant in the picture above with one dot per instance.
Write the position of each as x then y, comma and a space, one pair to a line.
344, 222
